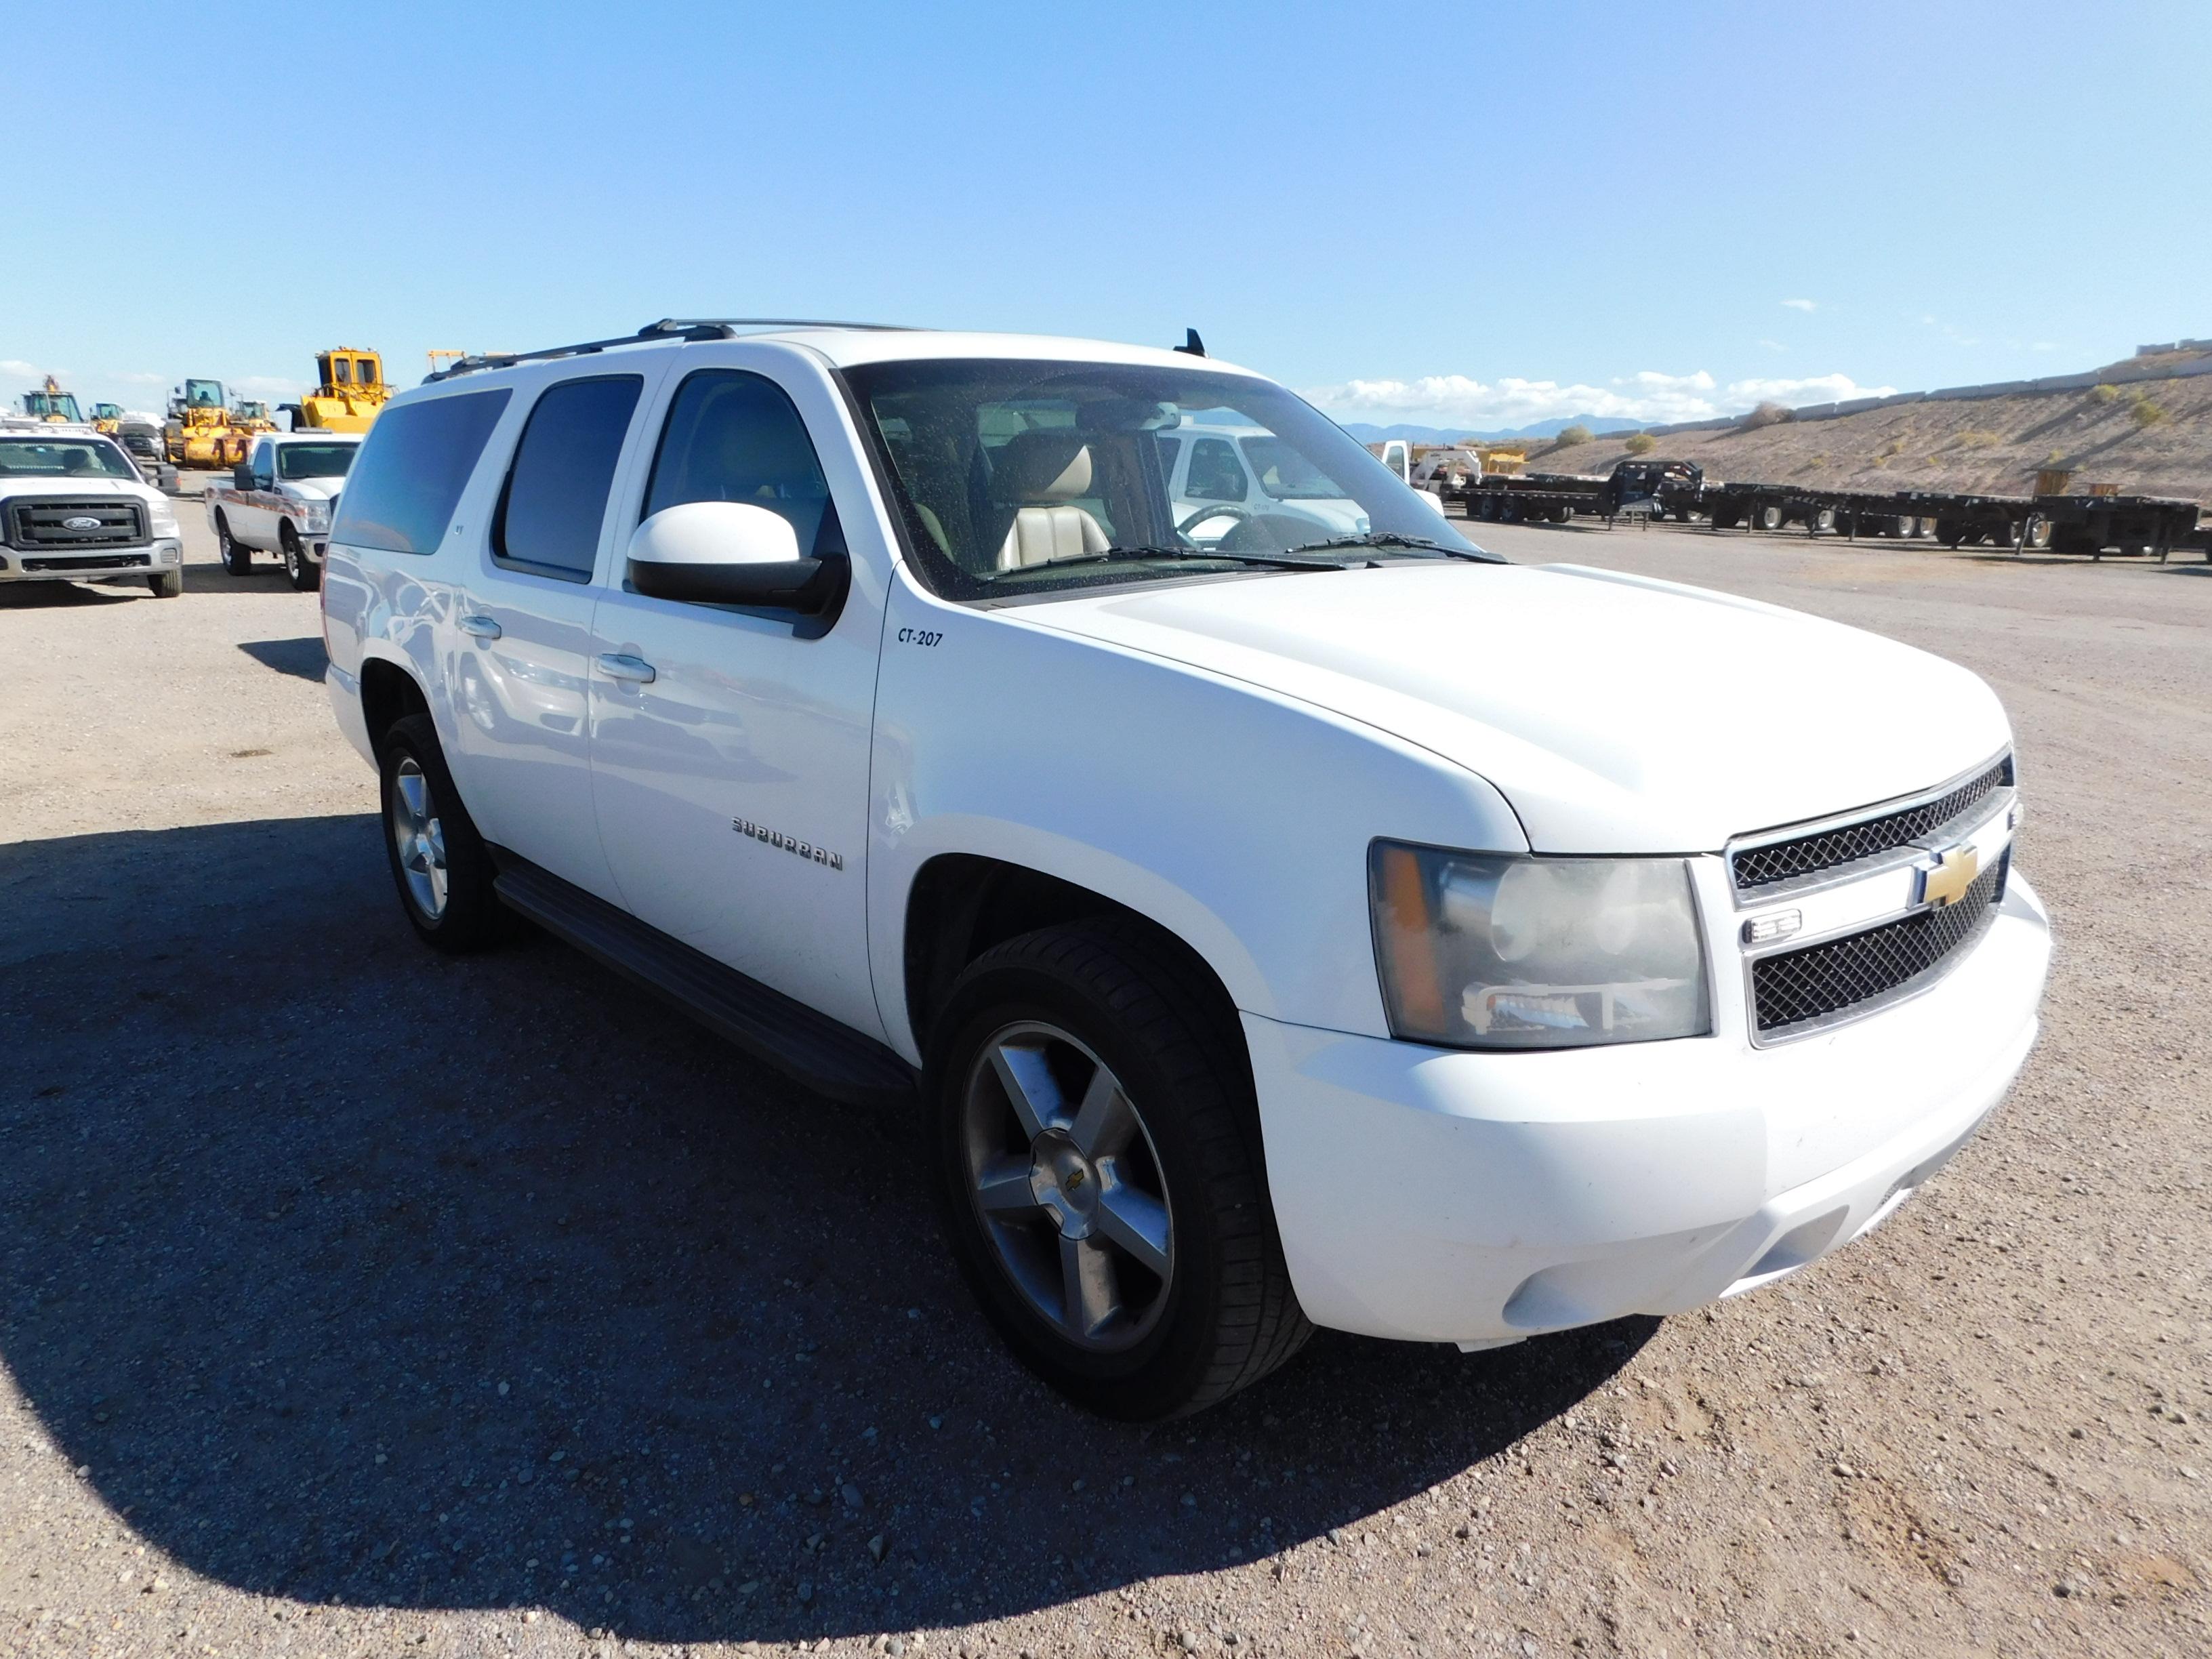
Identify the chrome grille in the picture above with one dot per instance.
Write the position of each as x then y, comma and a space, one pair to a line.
1797, 987
1753, 867
40, 521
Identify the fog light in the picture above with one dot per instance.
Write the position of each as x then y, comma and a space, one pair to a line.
172, 555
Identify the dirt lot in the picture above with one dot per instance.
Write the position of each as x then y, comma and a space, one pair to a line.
355, 1301
2151, 437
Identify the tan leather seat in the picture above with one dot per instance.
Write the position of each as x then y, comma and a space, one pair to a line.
1039, 474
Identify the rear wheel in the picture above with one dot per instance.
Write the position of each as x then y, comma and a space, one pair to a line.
235, 557
1768, 517
303, 573
439, 862
1099, 1172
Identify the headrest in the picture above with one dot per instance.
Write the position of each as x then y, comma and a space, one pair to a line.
1041, 466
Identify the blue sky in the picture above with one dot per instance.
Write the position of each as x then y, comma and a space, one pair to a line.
1458, 215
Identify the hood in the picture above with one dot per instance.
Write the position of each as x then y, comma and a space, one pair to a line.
81, 487
312, 489
1616, 713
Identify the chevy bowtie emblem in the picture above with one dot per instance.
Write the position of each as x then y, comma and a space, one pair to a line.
1945, 882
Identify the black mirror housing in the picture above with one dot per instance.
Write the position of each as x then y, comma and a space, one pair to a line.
810, 587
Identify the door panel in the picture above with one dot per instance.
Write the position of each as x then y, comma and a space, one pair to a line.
732, 788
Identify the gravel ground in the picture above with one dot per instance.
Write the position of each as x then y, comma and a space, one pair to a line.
355, 1301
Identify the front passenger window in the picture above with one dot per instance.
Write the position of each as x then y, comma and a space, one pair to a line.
735, 436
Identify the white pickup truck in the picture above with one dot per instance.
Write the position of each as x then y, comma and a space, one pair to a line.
75, 508
1278, 926
279, 501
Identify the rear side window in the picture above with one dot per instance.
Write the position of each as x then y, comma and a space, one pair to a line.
735, 436
412, 468
556, 499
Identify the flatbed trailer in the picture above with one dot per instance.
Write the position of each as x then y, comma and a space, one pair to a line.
1633, 488
2137, 525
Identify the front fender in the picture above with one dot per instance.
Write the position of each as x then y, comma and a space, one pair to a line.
1237, 818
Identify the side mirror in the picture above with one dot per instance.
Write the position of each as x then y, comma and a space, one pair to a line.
730, 553
242, 476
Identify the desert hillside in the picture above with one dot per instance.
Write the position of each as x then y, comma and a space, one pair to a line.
2148, 437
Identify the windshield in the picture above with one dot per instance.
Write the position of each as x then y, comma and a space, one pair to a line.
204, 394
77, 458
1023, 476
314, 461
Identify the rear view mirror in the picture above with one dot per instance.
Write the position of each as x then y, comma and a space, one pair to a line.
730, 553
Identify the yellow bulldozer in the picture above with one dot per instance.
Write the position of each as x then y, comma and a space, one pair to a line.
107, 417
197, 431
248, 418
350, 388
50, 403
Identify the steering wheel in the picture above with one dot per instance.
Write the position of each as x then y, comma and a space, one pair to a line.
1222, 510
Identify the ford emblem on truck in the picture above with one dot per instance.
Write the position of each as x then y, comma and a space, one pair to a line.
81, 522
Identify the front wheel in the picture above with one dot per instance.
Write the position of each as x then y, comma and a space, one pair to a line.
1099, 1172
304, 573
167, 584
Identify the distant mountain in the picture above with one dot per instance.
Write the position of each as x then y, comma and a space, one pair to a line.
1443, 434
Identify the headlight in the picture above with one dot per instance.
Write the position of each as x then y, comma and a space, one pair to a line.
317, 516
162, 518
1487, 951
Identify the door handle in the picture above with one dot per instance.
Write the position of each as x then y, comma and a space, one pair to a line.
619, 665
481, 628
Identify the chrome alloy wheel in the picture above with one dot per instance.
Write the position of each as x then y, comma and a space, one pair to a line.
1068, 1187
419, 837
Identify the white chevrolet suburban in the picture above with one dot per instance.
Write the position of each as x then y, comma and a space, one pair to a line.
1296, 927
74, 509
279, 501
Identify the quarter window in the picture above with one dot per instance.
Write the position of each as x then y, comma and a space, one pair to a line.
555, 500
413, 466
735, 436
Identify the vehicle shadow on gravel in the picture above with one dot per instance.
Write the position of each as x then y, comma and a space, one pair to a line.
349, 1272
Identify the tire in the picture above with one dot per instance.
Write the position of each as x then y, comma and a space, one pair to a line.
1950, 532
167, 584
439, 863
236, 558
1201, 1305
1768, 517
1561, 515
303, 573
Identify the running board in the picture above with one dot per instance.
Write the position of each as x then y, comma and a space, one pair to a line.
808, 1048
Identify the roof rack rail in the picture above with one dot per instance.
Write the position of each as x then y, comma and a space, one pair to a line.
668, 328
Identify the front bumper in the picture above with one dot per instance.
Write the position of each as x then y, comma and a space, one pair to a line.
1444, 1196
36, 564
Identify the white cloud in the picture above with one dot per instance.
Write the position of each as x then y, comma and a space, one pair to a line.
270, 385
17, 367
1800, 304
1772, 345
1647, 396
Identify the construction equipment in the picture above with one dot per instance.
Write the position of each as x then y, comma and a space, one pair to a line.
107, 417
349, 389
248, 418
50, 403
198, 424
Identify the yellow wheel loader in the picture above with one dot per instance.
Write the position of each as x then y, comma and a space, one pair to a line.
198, 427
349, 390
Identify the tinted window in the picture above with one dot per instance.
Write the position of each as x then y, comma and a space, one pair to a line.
1214, 474
412, 468
732, 436
556, 498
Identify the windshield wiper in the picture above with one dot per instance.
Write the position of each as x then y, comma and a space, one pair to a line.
1112, 555
1387, 538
